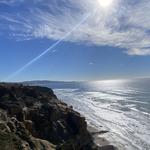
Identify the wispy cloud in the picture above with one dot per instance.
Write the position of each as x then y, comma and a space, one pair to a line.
138, 52
125, 24
91, 63
10, 2
54, 51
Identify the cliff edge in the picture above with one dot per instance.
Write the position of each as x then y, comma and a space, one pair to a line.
32, 118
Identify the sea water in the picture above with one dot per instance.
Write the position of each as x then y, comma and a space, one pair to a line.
120, 106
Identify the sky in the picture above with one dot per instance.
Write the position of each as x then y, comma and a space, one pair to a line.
74, 40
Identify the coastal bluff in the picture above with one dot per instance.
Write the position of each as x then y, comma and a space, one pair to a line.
32, 118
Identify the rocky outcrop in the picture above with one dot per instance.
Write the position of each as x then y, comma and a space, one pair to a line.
32, 118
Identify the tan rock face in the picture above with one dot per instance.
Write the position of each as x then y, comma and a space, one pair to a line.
39, 121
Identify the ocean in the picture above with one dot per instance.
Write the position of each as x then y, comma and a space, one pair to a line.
120, 106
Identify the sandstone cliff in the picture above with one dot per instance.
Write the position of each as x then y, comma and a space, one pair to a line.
32, 118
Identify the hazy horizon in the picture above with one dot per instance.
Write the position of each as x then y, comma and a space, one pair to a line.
101, 79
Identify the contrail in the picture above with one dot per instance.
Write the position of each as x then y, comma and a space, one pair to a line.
47, 50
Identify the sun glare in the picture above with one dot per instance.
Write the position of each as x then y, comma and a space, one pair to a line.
105, 3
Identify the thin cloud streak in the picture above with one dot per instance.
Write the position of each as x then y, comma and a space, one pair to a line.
50, 49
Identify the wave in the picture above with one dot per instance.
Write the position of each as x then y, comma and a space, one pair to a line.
121, 107
106, 109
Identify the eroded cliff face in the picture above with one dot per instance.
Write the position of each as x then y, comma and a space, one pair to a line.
32, 118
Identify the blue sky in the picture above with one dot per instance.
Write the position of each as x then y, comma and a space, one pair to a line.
97, 42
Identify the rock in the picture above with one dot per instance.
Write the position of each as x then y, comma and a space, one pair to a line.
12, 126
4, 128
107, 147
29, 125
3, 116
33, 118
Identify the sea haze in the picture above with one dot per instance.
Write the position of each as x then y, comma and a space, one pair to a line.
121, 106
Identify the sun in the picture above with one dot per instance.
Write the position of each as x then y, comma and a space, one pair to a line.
105, 3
